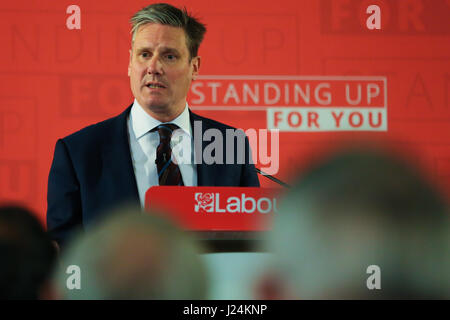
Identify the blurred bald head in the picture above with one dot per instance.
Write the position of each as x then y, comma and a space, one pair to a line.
357, 209
135, 255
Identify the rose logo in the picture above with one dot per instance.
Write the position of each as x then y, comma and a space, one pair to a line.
205, 202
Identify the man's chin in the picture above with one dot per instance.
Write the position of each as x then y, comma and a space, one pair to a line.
156, 107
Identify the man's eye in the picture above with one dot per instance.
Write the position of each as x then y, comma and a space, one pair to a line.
171, 57
145, 54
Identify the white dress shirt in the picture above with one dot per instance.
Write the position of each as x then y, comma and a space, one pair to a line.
143, 146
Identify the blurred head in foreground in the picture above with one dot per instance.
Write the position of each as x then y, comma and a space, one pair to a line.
26, 255
363, 219
132, 255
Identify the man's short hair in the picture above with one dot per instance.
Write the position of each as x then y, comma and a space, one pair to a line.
166, 14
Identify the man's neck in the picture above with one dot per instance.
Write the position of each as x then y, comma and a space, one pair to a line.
165, 116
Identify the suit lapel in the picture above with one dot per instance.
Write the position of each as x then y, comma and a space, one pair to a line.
117, 160
205, 173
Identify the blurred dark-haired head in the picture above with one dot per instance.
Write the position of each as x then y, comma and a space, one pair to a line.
26, 255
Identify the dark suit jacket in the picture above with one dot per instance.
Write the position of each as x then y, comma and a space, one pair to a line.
92, 172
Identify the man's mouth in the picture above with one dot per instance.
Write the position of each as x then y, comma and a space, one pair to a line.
154, 85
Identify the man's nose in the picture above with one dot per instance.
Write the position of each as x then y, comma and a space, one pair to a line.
154, 65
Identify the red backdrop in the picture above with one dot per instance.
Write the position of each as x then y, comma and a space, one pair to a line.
55, 81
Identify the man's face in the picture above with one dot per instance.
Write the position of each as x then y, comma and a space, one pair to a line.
160, 70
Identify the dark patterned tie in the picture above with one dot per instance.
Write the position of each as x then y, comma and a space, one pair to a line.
168, 172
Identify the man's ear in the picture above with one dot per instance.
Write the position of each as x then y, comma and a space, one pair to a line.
129, 63
195, 66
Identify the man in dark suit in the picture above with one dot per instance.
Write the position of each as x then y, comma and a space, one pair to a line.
117, 160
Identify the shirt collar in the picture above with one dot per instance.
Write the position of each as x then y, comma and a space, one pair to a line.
142, 122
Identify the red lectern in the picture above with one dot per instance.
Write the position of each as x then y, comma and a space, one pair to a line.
230, 218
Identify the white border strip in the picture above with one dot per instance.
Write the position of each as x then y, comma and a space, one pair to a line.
263, 108
266, 77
